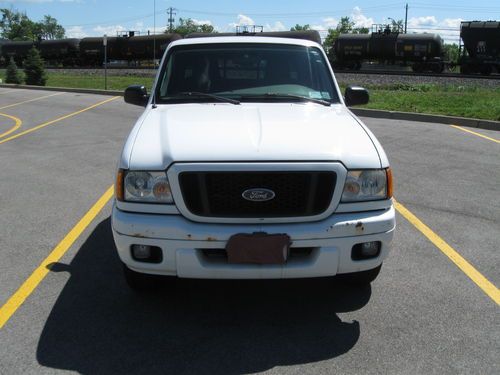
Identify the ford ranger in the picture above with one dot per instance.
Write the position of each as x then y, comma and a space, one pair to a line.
248, 164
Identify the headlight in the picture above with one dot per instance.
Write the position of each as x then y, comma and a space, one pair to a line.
367, 185
147, 187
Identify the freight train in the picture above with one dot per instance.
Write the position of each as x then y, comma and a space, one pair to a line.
480, 52
88, 52
422, 52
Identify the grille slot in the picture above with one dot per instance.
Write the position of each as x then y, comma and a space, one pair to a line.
219, 194
221, 254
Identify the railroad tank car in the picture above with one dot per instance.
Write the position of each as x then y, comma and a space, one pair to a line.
60, 51
424, 52
141, 47
92, 50
128, 47
481, 47
18, 50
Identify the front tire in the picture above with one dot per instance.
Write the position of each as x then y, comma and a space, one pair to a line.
362, 278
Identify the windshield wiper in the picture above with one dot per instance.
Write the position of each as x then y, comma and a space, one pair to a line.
293, 96
206, 95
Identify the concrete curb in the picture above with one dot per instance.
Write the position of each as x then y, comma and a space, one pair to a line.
64, 89
423, 117
376, 113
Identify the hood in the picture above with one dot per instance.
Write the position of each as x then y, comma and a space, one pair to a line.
249, 132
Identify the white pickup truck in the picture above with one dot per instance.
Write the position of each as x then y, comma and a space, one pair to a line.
247, 164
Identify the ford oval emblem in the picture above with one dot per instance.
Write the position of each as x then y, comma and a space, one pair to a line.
258, 195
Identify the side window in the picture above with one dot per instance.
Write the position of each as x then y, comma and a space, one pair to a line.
321, 77
164, 82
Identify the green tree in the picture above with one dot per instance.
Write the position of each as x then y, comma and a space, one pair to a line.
345, 25
34, 69
12, 75
331, 36
187, 26
451, 52
298, 27
361, 30
15, 25
50, 29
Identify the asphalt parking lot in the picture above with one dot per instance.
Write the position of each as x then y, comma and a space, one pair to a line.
64, 305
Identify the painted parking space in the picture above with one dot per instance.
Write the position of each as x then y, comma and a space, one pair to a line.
45, 109
448, 179
49, 166
422, 315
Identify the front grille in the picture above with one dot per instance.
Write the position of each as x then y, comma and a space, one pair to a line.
221, 254
219, 194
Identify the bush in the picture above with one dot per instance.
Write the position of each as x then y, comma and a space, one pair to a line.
12, 75
34, 69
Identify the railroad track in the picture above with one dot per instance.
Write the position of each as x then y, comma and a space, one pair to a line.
368, 72
414, 74
101, 68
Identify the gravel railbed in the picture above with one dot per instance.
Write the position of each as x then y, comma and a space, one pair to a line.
111, 72
379, 79
343, 78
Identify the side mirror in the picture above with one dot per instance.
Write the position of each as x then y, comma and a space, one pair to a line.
136, 94
355, 95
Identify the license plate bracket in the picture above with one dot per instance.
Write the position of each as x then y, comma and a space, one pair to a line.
258, 248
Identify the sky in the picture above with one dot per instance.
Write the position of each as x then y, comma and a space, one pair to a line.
83, 18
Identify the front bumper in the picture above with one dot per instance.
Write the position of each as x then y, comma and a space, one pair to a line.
182, 243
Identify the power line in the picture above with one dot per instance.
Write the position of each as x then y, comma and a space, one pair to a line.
290, 14
136, 18
446, 6
383, 7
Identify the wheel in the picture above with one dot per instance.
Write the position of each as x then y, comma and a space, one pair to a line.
140, 281
486, 70
361, 278
438, 68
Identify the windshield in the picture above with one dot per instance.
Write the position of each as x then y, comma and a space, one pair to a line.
245, 72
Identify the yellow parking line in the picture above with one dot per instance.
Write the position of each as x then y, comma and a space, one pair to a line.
57, 119
481, 281
25, 290
479, 135
17, 124
31, 100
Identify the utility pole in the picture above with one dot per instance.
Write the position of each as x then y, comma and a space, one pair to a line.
105, 43
406, 17
171, 19
154, 34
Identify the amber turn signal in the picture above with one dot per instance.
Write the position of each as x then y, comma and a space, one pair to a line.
119, 194
389, 183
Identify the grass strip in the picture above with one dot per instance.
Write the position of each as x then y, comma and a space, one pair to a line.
97, 81
450, 100
474, 102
